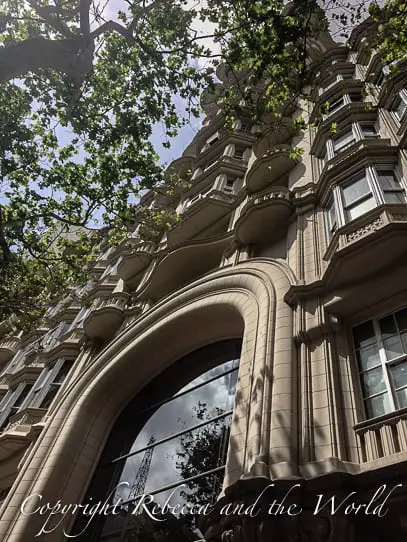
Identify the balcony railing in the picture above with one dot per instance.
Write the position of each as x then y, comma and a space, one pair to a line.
383, 437
9, 346
106, 315
25, 419
368, 224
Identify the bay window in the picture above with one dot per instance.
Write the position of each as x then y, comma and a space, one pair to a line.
381, 351
343, 100
372, 187
345, 138
343, 141
338, 77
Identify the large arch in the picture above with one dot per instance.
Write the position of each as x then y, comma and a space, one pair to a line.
244, 300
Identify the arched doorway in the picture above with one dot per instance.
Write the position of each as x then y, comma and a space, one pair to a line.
165, 457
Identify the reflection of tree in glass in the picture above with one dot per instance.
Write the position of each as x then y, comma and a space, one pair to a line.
201, 451
142, 528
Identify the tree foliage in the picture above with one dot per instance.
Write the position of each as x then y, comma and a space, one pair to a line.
83, 84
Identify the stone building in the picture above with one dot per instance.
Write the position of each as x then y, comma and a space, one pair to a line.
262, 340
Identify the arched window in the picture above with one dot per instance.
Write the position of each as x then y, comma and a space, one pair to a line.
167, 448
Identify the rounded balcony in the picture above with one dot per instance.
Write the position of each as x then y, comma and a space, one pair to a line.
9, 346
183, 265
134, 262
201, 211
270, 167
275, 132
264, 217
181, 166
106, 316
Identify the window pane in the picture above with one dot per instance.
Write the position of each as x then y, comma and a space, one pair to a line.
401, 109
361, 208
401, 317
399, 375
363, 335
378, 405
368, 358
50, 396
343, 141
369, 129
388, 326
393, 347
355, 191
187, 410
394, 197
387, 179
402, 398
192, 453
373, 382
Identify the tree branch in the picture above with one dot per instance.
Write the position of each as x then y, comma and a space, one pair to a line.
72, 56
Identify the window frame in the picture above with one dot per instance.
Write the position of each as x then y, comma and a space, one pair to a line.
8, 403
358, 133
384, 364
376, 190
45, 382
402, 98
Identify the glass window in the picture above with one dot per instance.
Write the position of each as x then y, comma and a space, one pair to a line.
372, 188
171, 443
229, 185
12, 402
392, 191
335, 105
331, 220
369, 129
239, 152
357, 198
381, 351
400, 109
343, 142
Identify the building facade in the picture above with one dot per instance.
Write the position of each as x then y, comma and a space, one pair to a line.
256, 353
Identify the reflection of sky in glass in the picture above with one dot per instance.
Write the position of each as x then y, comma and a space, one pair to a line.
163, 469
215, 391
177, 415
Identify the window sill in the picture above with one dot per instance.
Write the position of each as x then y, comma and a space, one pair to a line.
373, 424
355, 156
364, 226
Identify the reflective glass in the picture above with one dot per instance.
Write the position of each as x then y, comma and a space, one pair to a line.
361, 208
173, 431
368, 357
393, 347
180, 413
394, 197
399, 375
373, 382
376, 406
402, 398
356, 190
173, 461
364, 335
388, 326
164, 516
401, 317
